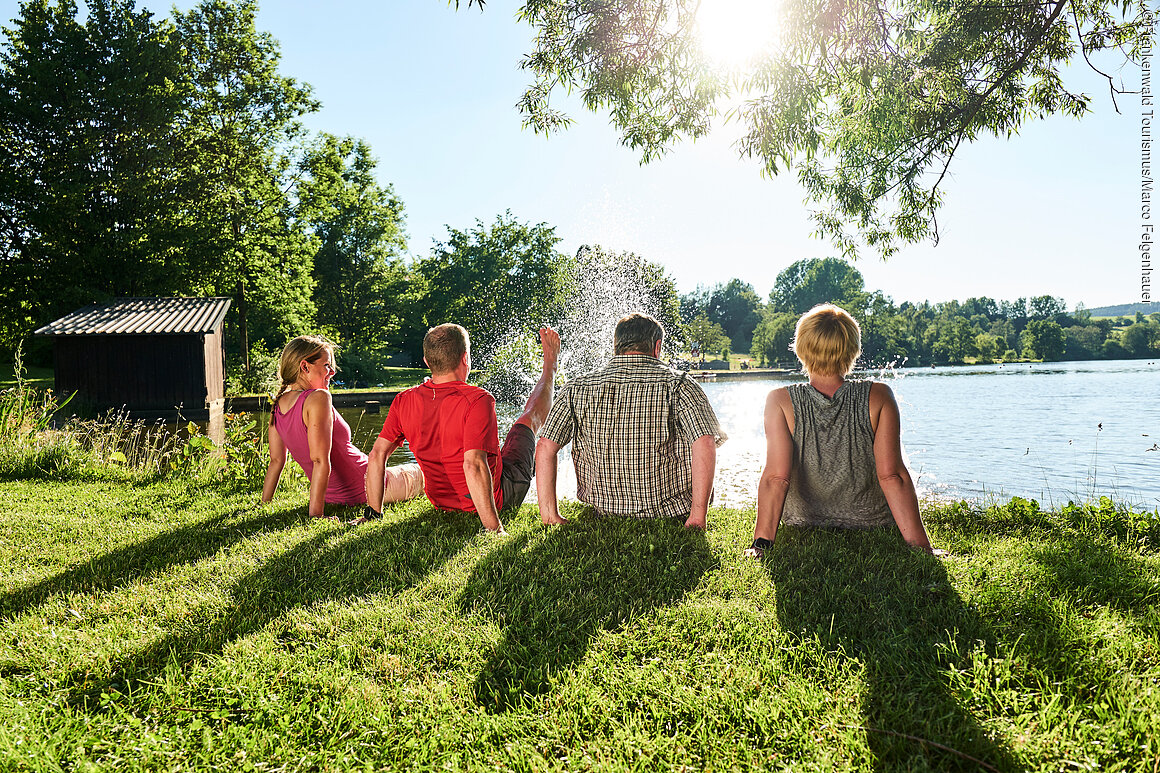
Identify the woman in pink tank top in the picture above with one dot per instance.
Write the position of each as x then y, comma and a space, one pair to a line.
304, 422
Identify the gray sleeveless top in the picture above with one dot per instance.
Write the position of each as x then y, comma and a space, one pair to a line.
834, 482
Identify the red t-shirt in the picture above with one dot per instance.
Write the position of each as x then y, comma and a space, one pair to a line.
441, 422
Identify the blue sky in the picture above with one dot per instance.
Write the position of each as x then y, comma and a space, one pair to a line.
1053, 210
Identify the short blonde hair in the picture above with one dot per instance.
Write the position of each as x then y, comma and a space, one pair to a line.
827, 341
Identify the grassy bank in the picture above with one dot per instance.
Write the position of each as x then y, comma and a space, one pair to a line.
35, 377
149, 626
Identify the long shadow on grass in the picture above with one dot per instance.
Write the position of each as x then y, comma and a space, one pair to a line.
553, 591
334, 564
866, 596
123, 565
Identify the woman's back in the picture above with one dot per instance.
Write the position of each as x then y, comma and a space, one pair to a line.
833, 481
348, 465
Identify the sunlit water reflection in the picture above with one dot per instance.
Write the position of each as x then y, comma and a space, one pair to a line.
975, 432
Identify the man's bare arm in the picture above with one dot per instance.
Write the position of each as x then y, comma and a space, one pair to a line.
547, 458
481, 486
704, 467
377, 471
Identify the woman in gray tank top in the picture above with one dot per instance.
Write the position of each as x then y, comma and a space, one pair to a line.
833, 453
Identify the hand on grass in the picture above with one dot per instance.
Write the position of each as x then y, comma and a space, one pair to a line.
936, 552
695, 522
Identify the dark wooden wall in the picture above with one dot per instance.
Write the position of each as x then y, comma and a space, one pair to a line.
142, 372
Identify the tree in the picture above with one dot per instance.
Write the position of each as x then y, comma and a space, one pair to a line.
705, 336
1045, 338
604, 287
363, 291
496, 281
1140, 339
88, 167
988, 346
806, 283
984, 306
242, 121
695, 303
772, 337
1083, 342
1048, 307
954, 339
870, 100
735, 306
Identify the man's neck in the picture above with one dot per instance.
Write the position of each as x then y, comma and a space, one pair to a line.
636, 354
459, 374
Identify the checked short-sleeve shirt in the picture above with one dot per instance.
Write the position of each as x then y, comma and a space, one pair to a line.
632, 425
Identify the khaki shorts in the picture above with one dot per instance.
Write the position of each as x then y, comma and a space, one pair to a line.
519, 465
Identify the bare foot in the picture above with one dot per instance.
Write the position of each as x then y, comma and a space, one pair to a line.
550, 345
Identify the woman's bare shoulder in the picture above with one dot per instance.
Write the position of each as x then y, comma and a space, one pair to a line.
779, 396
881, 392
319, 399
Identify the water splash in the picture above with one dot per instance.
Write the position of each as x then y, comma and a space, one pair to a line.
604, 287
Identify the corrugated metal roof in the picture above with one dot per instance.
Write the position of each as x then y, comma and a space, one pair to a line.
142, 316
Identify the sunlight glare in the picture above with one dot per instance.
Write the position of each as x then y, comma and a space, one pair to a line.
735, 32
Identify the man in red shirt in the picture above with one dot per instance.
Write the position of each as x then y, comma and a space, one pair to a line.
451, 428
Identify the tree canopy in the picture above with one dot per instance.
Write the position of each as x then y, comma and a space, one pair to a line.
87, 166
806, 283
869, 100
362, 289
733, 306
492, 279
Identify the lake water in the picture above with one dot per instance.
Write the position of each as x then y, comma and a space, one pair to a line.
1053, 432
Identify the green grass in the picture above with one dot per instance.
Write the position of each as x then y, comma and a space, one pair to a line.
394, 378
168, 627
36, 377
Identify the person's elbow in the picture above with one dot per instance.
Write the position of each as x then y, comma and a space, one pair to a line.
773, 481
546, 450
318, 458
377, 458
475, 467
893, 476
705, 449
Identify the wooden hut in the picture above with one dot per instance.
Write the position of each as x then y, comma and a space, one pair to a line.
150, 355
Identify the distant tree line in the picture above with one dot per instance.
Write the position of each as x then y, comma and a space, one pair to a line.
975, 330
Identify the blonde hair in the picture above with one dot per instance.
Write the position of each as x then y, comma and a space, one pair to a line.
444, 347
308, 348
827, 341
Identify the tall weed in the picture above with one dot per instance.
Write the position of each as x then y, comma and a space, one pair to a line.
29, 446
35, 442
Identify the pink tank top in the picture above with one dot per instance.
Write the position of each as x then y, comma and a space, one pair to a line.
348, 465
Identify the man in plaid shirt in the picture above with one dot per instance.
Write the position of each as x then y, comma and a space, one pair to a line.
644, 437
